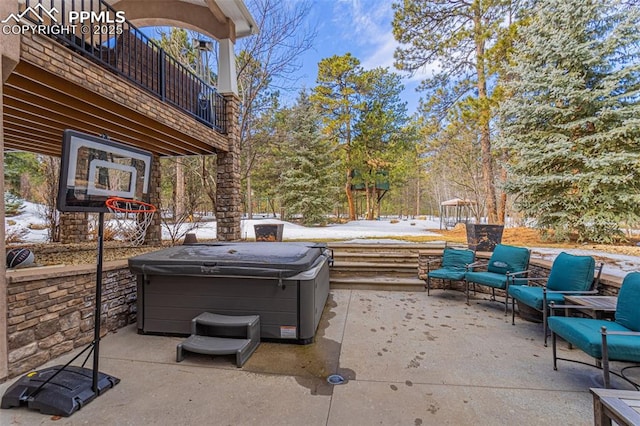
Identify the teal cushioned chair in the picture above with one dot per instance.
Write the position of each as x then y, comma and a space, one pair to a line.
453, 266
506, 264
570, 274
617, 340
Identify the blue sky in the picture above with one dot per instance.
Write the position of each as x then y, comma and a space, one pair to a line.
359, 27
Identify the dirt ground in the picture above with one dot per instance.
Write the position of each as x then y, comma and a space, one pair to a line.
529, 237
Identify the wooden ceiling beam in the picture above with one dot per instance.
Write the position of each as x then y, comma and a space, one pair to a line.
30, 77
29, 145
94, 111
30, 107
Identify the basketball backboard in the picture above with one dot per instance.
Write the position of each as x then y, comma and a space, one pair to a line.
93, 169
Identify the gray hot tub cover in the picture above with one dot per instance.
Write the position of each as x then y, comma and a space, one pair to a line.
259, 259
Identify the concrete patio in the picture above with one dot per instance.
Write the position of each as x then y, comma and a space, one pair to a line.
409, 358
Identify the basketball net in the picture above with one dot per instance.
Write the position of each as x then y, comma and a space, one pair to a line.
132, 218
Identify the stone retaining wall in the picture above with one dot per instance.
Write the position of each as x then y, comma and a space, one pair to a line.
51, 310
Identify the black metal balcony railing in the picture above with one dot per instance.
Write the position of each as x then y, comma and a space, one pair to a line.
110, 40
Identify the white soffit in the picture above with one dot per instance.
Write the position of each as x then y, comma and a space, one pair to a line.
237, 11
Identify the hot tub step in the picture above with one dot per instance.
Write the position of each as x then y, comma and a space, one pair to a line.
207, 345
208, 319
215, 334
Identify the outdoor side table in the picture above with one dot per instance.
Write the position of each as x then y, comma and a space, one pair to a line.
600, 307
621, 406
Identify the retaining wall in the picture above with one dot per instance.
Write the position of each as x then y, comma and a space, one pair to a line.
51, 310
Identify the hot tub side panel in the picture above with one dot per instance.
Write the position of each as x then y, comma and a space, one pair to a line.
313, 296
169, 303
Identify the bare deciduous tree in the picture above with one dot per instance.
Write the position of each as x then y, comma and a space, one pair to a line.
50, 169
267, 62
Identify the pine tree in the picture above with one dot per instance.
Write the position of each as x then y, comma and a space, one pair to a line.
308, 170
455, 38
573, 119
338, 95
378, 134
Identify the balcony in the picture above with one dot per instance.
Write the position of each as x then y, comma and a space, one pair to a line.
111, 41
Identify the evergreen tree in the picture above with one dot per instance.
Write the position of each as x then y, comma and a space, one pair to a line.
573, 118
454, 37
338, 95
308, 170
379, 139
266, 63
21, 173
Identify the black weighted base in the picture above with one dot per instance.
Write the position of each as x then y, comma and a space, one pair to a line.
66, 393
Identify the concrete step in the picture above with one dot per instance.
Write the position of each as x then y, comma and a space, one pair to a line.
378, 283
385, 248
374, 271
386, 257
375, 266
378, 266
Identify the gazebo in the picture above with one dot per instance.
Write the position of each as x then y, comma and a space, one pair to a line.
454, 211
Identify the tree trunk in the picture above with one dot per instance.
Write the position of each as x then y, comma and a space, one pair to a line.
349, 193
502, 205
249, 197
209, 183
374, 203
483, 122
418, 196
178, 201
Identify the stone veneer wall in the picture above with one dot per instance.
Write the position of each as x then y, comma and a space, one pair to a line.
51, 310
74, 228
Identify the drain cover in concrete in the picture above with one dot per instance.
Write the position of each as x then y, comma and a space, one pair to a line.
336, 379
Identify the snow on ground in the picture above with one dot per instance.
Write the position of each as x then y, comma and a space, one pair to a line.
31, 214
615, 264
360, 231
347, 231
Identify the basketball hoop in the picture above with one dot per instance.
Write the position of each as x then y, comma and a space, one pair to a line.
132, 217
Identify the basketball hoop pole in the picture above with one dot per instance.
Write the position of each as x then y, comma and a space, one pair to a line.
98, 307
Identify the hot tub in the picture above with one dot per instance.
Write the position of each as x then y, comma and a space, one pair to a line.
287, 284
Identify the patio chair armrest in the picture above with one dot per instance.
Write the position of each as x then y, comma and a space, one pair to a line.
620, 333
513, 276
533, 279
518, 273
573, 291
476, 265
553, 307
430, 263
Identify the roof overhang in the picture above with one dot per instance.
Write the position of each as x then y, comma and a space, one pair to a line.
237, 11
219, 19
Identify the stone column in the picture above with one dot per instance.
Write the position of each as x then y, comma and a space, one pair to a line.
74, 228
228, 202
154, 231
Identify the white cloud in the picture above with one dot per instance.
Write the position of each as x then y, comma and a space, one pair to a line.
368, 25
